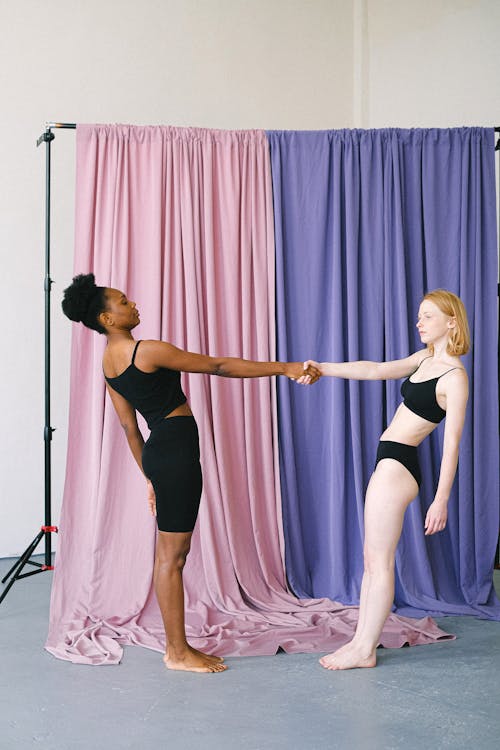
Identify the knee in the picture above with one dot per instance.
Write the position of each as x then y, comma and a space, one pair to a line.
178, 561
172, 559
172, 562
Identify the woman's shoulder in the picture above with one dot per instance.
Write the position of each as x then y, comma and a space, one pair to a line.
422, 354
458, 372
150, 342
153, 354
418, 357
152, 345
455, 381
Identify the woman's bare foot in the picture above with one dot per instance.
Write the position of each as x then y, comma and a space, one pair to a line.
208, 657
339, 652
349, 657
193, 661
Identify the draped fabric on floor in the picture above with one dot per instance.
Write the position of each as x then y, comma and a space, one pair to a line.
182, 221
365, 223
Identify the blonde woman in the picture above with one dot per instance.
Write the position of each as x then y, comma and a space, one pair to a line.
436, 387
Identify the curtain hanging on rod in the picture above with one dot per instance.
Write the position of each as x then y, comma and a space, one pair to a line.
182, 220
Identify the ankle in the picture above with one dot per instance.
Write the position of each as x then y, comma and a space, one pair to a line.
366, 650
177, 650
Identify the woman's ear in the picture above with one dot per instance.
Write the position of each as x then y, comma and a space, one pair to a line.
105, 319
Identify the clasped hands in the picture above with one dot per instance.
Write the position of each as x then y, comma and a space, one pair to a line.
305, 373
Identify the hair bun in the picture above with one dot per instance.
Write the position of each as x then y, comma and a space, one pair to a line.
78, 296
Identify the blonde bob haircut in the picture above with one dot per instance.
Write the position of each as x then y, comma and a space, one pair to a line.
451, 305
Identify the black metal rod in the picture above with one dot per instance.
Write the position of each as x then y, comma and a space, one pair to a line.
46, 531
24, 557
19, 565
30, 573
47, 435
48, 137
70, 125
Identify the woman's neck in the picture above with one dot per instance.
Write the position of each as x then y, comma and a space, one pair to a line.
119, 335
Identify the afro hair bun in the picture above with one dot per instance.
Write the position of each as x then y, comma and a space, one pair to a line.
84, 301
78, 297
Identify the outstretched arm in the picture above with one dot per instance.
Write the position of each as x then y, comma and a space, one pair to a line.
161, 354
457, 392
366, 370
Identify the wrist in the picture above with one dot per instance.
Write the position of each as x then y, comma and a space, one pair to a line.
441, 499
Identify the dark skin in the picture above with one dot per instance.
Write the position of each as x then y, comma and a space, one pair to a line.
119, 319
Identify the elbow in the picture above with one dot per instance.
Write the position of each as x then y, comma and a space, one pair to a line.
220, 368
130, 429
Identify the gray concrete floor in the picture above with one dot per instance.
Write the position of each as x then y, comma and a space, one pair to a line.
445, 695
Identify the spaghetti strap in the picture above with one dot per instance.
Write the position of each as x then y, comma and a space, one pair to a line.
135, 350
447, 371
422, 360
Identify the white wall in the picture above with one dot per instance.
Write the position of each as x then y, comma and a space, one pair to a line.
431, 63
209, 63
304, 64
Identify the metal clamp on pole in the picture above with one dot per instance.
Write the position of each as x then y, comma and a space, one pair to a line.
47, 136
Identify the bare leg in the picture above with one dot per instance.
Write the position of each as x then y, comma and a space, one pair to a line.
390, 490
171, 552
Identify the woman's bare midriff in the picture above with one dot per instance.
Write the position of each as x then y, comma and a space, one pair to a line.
183, 410
407, 427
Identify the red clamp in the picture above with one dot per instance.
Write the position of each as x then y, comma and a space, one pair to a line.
46, 529
47, 567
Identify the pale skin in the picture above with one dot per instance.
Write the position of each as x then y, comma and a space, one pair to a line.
391, 487
118, 320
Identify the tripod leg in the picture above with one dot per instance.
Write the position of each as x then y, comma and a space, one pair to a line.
19, 564
7, 589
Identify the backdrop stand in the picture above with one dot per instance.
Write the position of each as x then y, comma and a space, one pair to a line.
15, 573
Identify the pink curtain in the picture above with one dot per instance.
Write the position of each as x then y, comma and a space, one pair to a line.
182, 220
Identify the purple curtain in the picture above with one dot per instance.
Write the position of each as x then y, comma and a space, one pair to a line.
182, 220
365, 223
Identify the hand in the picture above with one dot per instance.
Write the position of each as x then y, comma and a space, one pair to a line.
436, 517
302, 374
151, 498
312, 373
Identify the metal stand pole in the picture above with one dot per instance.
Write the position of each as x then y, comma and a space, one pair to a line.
15, 573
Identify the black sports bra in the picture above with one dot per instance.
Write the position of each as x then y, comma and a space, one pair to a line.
420, 398
154, 394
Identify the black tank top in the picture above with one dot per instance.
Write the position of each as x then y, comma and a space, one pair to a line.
154, 394
420, 398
